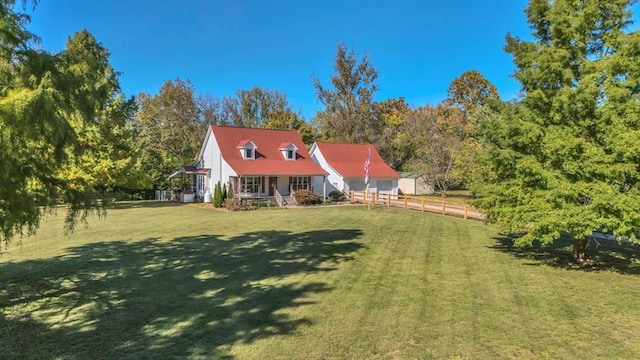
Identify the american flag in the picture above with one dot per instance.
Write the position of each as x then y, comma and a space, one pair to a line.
367, 162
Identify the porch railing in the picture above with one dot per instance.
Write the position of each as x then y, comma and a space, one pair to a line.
279, 198
291, 195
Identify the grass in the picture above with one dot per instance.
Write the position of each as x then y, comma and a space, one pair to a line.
458, 197
323, 283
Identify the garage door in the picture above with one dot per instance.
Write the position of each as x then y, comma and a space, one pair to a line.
385, 186
356, 185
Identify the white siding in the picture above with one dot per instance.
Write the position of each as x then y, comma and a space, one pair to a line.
356, 185
212, 159
337, 182
418, 186
407, 186
384, 186
334, 180
283, 185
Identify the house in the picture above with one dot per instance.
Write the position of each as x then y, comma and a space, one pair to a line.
345, 165
411, 183
257, 163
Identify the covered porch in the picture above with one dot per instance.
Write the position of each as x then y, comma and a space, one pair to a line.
188, 184
278, 187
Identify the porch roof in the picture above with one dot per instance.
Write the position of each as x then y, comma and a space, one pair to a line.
189, 170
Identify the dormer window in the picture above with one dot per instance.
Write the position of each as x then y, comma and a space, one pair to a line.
288, 151
247, 149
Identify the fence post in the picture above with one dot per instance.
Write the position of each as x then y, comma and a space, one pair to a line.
351, 197
444, 207
405, 202
373, 199
465, 212
388, 200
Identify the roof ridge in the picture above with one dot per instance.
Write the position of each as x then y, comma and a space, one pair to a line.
343, 143
251, 128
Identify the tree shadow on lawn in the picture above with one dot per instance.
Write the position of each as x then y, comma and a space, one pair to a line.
607, 255
192, 296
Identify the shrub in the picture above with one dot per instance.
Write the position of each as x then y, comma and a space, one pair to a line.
229, 190
224, 192
236, 205
217, 196
336, 195
306, 197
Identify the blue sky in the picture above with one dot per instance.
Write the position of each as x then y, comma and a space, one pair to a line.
418, 47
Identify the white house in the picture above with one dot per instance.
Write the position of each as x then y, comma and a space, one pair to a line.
256, 162
344, 164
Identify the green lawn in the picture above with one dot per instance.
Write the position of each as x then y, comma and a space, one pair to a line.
170, 281
459, 197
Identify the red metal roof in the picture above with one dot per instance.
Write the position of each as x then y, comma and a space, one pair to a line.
285, 145
269, 159
348, 160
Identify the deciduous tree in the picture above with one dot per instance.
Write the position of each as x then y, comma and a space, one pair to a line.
170, 127
470, 91
254, 107
348, 114
289, 120
393, 144
436, 136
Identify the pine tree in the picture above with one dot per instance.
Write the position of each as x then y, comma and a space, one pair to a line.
224, 193
565, 160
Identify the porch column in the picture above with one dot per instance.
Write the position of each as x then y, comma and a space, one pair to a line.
324, 188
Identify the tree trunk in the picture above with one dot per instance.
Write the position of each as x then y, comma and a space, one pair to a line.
580, 250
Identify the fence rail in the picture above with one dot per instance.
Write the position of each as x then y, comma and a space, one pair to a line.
414, 203
164, 195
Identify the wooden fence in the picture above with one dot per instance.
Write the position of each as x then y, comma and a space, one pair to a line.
414, 203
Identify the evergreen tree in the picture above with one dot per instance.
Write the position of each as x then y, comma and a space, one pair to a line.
217, 195
63, 126
224, 192
229, 191
565, 160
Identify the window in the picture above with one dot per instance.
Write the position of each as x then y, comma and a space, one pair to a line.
248, 153
300, 182
200, 182
250, 184
288, 151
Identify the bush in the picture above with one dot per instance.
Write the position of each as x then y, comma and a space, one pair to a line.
306, 197
236, 205
217, 195
336, 195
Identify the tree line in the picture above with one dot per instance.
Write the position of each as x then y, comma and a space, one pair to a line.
561, 160
429, 139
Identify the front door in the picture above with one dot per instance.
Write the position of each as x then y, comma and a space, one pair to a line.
273, 184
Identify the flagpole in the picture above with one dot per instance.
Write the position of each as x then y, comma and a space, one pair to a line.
367, 163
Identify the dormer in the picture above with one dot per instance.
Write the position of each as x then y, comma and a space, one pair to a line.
247, 149
288, 150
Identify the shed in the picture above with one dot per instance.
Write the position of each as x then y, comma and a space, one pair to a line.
412, 183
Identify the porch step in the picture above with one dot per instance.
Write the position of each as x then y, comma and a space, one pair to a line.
288, 200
